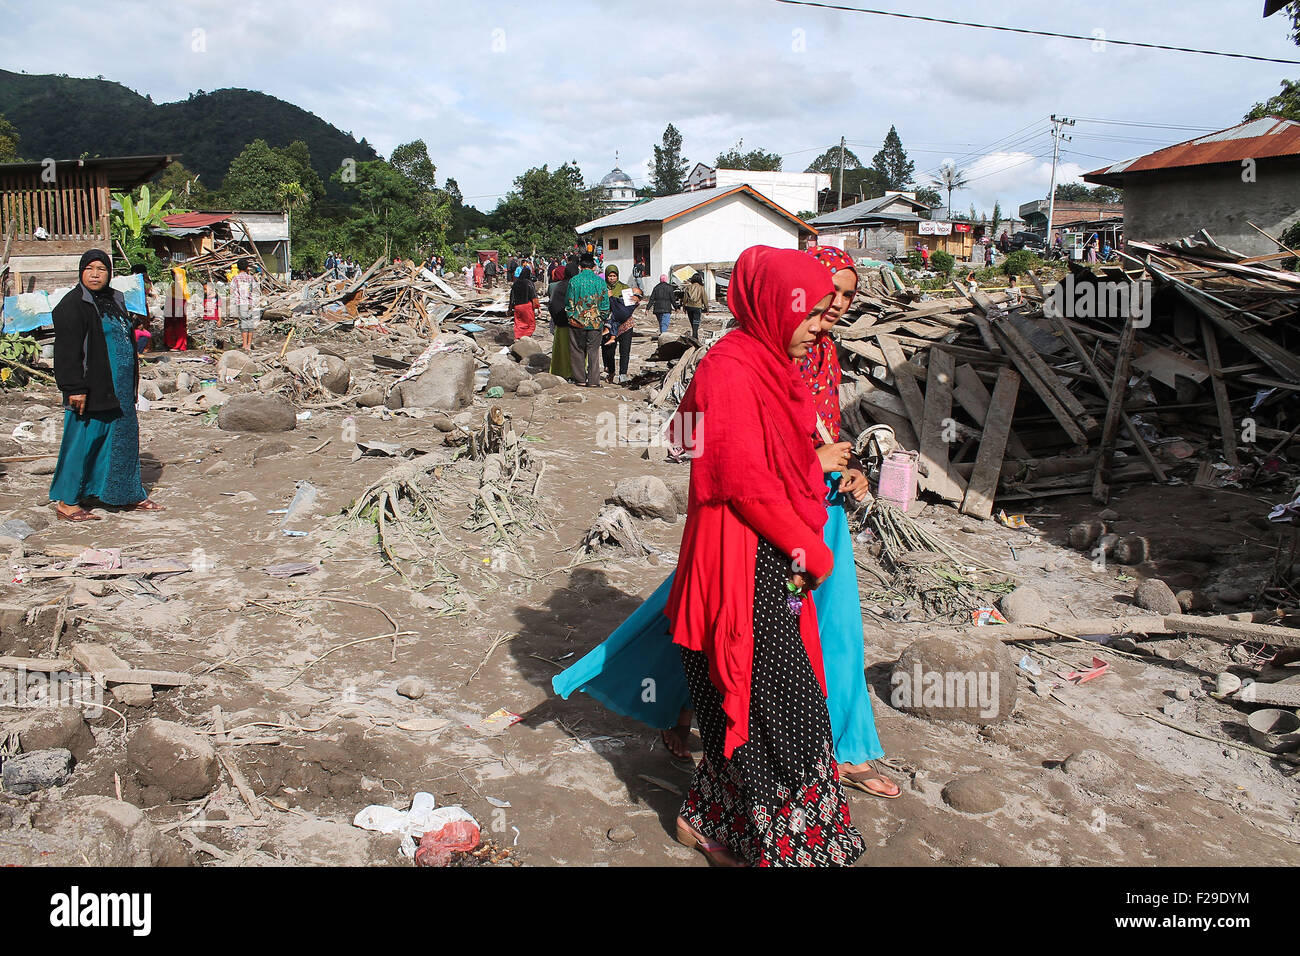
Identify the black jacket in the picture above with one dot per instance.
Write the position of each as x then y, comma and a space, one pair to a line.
81, 365
661, 299
556, 295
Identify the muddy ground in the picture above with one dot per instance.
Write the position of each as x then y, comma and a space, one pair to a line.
552, 786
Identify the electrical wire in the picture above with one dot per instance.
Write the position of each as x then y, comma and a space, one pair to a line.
1039, 33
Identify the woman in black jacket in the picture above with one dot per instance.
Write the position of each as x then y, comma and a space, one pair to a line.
97, 369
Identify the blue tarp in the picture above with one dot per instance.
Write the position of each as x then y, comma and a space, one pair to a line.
17, 320
132, 288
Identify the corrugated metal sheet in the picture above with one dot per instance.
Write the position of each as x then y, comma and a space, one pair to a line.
1254, 139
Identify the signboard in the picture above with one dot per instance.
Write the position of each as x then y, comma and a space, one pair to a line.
961, 227
930, 227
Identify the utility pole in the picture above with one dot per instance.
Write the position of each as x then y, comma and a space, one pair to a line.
840, 203
1057, 137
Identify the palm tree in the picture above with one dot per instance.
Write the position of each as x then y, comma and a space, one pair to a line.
950, 178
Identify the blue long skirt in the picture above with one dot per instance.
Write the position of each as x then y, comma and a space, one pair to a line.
100, 453
637, 671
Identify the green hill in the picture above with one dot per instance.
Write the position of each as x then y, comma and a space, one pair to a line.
64, 117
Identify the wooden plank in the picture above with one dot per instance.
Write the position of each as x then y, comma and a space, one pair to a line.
45, 665
986, 333
1010, 336
1114, 412
944, 481
974, 397
988, 464
1044, 392
1081, 353
134, 675
907, 387
1227, 428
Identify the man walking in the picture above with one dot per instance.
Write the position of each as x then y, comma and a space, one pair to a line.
587, 308
661, 303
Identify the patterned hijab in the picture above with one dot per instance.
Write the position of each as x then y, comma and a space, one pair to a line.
820, 368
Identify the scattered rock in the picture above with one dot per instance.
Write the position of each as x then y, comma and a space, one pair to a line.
1107, 543
1167, 650
270, 449
1126, 644
257, 413
1108, 514
1084, 535
447, 385
410, 688
1231, 595
1154, 595
310, 363
527, 390
680, 486
38, 770
1025, 605
570, 397
1092, 769
507, 375
100, 831
545, 380
1191, 601
52, 728
976, 794
541, 361
969, 676
621, 834
150, 391
1182, 693
1134, 549
174, 758
371, 398
273, 380
525, 347
233, 359
441, 422
645, 497
1227, 683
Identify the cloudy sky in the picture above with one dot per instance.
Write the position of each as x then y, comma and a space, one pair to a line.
497, 88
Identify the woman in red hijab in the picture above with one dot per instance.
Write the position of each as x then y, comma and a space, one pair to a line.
767, 792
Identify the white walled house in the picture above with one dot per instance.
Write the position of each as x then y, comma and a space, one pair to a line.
794, 191
705, 228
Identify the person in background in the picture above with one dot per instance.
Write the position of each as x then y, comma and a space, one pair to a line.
661, 303
988, 254
1090, 248
619, 332
587, 307
524, 303
490, 270
480, 274
638, 273
925, 255
556, 302
1004, 242
97, 369
695, 302
211, 302
244, 295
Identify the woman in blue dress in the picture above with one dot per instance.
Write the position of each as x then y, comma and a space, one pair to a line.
637, 670
98, 372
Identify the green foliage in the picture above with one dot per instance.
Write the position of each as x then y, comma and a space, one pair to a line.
543, 209
895, 169
829, 161
929, 196
755, 159
184, 184
997, 216
137, 215
1078, 192
915, 260
66, 117
256, 177
394, 215
942, 262
16, 348
1020, 262
9, 140
1285, 104
1291, 239
668, 171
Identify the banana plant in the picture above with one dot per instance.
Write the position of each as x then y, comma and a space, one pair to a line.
137, 215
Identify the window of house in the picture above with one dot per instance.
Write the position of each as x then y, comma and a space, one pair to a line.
613, 244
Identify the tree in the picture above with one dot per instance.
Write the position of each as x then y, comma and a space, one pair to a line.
412, 160
8, 141
255, 176
668, 171
755, 159
950, 178
929, 196
1078, 192
298, 155
892, 163
184, 183
1285, 104
543, 210
997, 216
390, 217
829, 161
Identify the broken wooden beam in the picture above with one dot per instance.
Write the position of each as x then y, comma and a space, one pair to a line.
982, 489
939, 430
1114, 411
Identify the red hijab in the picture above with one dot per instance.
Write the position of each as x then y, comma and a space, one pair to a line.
820, 368
749, 418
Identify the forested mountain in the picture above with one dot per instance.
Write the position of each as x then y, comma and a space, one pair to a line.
64, 117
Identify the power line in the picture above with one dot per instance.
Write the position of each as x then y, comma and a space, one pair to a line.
1039, 33
1189, 129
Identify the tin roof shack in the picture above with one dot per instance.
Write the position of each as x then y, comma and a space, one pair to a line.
707, 229
56, 210
189, 235
1232, 184
892, 225
1035, 214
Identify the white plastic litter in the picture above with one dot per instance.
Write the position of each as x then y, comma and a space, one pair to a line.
412, 824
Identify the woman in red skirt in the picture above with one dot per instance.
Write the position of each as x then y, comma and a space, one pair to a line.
524, 301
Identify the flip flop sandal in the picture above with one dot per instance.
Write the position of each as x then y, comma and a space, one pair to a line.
81, 514
147, 505
859, 779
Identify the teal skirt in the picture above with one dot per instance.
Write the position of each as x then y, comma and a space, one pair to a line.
637, 671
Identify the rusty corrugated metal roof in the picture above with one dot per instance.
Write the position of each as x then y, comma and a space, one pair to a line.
1269, 136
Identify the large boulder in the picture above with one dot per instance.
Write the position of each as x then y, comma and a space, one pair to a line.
507, 375
312, 363
545, 380
235, 361
523, 348
969, 677
645, 497
173, 758
1025, 605
1154, 595
100, 831
48, 728
257, 413
680, 486
447, 385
